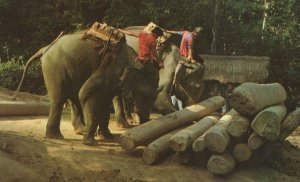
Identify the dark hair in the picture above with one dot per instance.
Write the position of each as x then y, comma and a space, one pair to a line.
158, 31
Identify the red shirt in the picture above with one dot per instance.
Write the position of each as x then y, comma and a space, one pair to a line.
186, 43
147, 42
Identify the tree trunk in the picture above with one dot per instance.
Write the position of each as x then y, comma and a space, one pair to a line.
267, 123
215, 28
241, 152
250, 98
217, 137
158, 149
221, 163
184, 139
20, 108
158, 127
255, 141
290, 123
239, 126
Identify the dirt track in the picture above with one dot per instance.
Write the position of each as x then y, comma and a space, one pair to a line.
26, 155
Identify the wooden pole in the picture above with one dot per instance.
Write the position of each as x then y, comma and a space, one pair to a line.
184, 139
250, 98
158, 127
217, 137
22, 108
267, 122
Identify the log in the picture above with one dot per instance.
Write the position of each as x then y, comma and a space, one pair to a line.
250, 98
289, 124
267, 123
158, 149
239, 126
158, 127
221, 163
199, 143
217, 138
241, 152
22, 108
184, 139
255, 141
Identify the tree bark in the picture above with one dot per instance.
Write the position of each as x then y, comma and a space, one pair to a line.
267, 123
241, 152
221, 163
250, 98
290, 123
217, 137
157, 127
184, 139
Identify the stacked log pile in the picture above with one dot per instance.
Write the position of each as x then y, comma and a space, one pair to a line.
246, 134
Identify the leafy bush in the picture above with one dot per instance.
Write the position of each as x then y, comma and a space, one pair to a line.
11, 73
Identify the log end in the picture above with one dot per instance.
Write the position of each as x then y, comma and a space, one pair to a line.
221, 164
198, 145
149, 156
178, 144
216, 142
126, 142
241, 153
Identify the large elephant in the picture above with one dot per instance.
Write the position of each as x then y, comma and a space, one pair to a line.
189, 83
75, 70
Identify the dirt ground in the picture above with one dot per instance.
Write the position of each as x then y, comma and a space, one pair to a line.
26, 155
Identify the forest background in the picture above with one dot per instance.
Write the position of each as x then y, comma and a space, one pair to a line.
231, 27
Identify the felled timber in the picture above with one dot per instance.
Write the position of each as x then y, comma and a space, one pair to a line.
255, 141
267, 123
217, 137
241, 152
199, 143
250, 98
22, 108
239, 126
290, 123
158, 149
184, 139
160, 126
221, 163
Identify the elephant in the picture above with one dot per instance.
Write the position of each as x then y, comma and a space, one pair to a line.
189, 80
75, 69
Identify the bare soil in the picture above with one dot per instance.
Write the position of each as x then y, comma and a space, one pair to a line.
26, 155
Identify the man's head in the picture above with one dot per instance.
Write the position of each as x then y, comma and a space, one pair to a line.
197, 31
157, 31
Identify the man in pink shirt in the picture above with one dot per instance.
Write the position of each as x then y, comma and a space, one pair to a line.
187, 41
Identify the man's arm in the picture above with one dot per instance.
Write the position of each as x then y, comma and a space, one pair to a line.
129, 33
155, 55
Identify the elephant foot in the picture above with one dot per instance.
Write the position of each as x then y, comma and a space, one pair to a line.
105, 134
80, 130
89, 141
123, 125
54, 135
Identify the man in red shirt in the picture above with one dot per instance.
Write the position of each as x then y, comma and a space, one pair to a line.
147, 46
187, 43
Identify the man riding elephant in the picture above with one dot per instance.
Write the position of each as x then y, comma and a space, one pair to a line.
87, 72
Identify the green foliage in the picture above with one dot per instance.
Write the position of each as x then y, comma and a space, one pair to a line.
11, 73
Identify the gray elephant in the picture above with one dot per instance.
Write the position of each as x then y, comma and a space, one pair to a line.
75, 70
189, 82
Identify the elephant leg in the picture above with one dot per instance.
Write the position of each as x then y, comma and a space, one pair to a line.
103, 125
77, 116
53, 124
94, 99
119, 112
163, 103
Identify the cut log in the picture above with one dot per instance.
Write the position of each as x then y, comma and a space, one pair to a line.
255, 141
239, 126
22, 108
160, 126
221, 163
267, 123
199, 143
184, 139
158, 149
250, 98
241, 152
290, 123
217, 138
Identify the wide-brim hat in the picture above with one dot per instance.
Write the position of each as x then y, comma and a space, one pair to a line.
198, 29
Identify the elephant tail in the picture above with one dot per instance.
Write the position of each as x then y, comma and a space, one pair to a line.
31, 60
